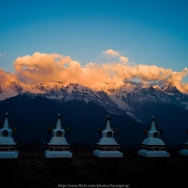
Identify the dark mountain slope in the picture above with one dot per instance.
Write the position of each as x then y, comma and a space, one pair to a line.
32, 116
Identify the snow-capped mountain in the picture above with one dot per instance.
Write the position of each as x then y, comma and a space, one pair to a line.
135, 98
112, 88
109, 88
60, 91
116, 98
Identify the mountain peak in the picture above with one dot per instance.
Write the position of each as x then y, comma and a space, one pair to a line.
109, 88
75, 86
169, 88
128, 87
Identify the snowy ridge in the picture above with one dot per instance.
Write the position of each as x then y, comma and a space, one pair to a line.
116, 98
109, 88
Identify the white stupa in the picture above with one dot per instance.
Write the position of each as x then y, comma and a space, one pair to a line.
153, 146
7, 143
58, 146
184, 150
107, 146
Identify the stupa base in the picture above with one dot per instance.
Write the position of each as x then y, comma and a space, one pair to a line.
147, 153
8, 154
183, 152
58, 154
107, 154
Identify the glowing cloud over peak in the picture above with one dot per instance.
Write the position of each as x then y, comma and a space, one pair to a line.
41, 67
5, 77
176, 78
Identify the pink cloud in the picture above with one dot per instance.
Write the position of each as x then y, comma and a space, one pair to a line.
42, 67
123, 59
5, 77
111, 52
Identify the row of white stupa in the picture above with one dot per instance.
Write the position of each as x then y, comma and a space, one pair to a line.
107, 146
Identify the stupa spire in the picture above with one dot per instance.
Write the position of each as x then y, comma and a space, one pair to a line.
153, 124
58, 125
6, 123
108, 125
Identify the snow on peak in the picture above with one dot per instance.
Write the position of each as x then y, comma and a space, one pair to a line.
109, 88
169, 86
112, 96
73, 87
156, 87
169, 89
128, 87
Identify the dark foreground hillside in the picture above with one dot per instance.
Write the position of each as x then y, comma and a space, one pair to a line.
31, 169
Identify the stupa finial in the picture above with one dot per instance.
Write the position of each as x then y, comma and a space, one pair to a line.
153, 124
108, 117
108, 126
6, 123
58, 125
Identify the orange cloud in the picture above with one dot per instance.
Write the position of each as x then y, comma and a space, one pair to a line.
5, 77
123, 59
42, 67
176, 78
111, 52
184, 88
143, 72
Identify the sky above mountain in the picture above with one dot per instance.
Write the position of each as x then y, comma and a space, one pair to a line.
94, 41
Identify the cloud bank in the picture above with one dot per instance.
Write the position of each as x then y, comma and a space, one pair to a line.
41, 67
